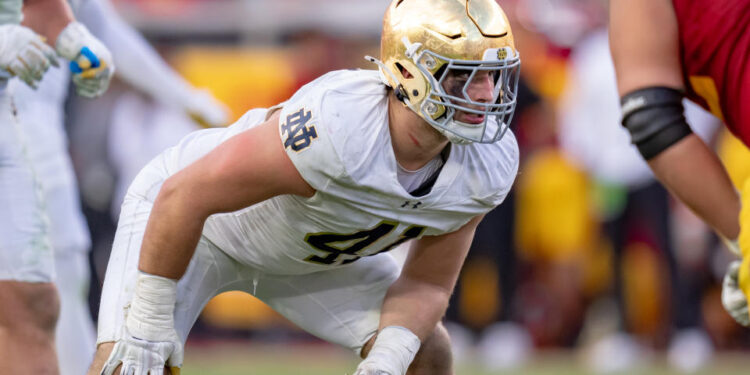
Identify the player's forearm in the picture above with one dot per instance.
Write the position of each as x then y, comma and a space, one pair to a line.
47, 17
691, 171
172, 234
415, 305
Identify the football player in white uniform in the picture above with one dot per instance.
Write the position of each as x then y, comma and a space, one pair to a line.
297, 204
29, 307
40, 113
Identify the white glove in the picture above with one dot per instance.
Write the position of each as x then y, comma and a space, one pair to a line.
143, 357
371, 369
148, 340
90, 61
24, 54
391, 354
732, 297
204, 109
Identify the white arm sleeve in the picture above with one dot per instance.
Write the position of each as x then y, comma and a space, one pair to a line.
137, 62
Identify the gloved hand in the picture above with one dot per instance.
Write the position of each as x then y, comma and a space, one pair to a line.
24, 54
732, 296
369, 368
90, 61
144, 357
148, 338
736, 284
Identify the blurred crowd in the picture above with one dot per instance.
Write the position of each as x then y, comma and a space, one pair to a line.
588, 252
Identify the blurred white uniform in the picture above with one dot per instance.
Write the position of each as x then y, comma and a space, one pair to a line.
316, 261
41, 117
139, 130
25, 253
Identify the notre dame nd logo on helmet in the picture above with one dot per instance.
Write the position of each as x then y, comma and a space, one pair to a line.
502, 54
299, 135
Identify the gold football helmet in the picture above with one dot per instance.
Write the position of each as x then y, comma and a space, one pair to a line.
425, 41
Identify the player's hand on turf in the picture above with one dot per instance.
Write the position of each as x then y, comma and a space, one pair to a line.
144, 357
376, 365
90, 61
367, 369
732, 297
24, 54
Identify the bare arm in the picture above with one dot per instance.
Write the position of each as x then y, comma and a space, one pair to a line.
140, 65
47, 17
645, 48
419, 297
244, 170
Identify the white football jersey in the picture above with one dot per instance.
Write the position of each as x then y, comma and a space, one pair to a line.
335, 131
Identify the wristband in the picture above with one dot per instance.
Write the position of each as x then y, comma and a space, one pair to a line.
71, 40
151, 314
395, 346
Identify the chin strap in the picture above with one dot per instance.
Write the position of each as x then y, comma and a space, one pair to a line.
452, 137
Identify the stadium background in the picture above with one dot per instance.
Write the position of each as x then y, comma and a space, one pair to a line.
538, 295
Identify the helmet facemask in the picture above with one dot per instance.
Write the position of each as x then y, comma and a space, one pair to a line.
440, 107
425, 93
427, 44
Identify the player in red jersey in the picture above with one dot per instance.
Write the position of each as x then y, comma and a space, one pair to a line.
664, 50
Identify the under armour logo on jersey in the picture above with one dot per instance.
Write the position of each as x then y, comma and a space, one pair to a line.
299, 135
413, 205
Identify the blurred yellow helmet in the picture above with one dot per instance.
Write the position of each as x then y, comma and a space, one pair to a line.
431, 39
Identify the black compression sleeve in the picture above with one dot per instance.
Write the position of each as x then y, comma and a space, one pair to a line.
654, 117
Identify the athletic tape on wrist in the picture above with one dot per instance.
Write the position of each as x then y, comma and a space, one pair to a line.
151, 314
71, 40
396, 346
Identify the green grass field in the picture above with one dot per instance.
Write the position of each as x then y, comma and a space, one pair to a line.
219, 358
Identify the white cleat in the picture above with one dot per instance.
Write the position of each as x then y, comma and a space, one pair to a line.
690, 350
615, 353
505, 346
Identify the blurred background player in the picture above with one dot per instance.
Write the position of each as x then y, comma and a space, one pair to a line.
665, 58
41, 115
30, 304
634, 209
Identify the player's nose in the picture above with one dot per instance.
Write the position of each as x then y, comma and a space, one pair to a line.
481, 87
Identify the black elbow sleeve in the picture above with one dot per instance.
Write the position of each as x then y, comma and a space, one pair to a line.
655, 118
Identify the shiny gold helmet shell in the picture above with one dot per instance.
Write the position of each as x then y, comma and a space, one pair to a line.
429, 38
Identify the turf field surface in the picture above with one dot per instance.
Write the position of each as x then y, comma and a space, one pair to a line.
245, 358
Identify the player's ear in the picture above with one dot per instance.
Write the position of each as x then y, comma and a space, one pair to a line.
405, 73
